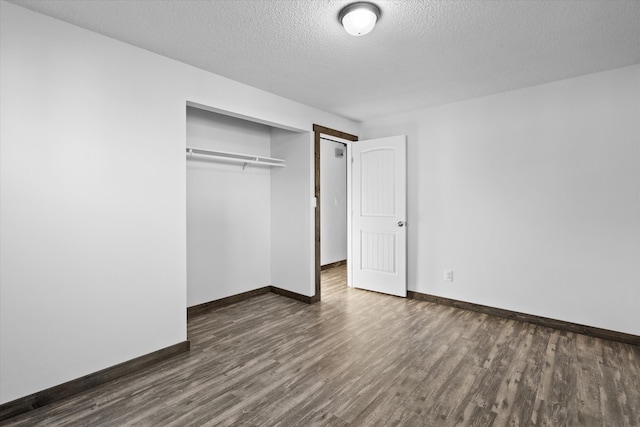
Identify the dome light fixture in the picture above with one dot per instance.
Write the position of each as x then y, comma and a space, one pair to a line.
359, 18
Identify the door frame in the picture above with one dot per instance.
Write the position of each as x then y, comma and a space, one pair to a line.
317, 131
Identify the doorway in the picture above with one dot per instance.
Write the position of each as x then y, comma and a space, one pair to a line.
333, 216
321, 135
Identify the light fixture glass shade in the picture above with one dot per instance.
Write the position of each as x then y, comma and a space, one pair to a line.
359, 19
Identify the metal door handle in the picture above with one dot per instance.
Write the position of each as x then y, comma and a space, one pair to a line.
400, 223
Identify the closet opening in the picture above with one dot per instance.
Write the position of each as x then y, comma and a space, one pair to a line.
249, 218
331, 194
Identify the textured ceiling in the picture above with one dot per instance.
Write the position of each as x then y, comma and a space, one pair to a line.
421, 53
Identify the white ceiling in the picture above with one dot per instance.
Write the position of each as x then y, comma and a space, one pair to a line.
421, 53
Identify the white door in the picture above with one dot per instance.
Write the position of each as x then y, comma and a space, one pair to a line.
379, 232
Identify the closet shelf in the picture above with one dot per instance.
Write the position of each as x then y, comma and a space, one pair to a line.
247, 159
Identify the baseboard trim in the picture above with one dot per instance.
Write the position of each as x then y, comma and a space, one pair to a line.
222, 302
59, 392
292, 295
530, 318
333, 264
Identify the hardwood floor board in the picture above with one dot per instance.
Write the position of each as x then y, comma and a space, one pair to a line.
304, 396
613, 396
524, 400
493, 371
199, 412
619, 359
436, 368
381, 409
544, 389
310, 398
434, 391
588, 392
562, 404
474, 377
361, 358
290, 401
405, 388
515, 362
627, 377
379, 377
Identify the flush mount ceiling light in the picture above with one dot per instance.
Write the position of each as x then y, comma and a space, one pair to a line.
359, 18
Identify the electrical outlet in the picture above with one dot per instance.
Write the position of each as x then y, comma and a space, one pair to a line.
448, 275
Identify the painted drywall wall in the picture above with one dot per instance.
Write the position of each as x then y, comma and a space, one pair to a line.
333, 196
292, 210
228, 209
93, 196
531, 197
92, 223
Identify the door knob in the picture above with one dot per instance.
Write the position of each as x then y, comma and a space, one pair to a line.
400, 223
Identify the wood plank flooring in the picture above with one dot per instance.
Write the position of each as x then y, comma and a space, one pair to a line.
360, 358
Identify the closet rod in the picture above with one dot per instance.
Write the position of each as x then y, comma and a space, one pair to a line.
237, 157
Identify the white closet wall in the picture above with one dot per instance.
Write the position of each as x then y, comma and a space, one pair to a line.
228, 209
293, 213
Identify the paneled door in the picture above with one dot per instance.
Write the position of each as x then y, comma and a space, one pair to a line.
379, 232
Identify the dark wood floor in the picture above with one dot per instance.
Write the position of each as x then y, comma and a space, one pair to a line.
366, 359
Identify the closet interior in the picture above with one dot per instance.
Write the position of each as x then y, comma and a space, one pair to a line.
248, 207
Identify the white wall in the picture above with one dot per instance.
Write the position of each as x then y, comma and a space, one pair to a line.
532, 197
92, 207
293, 213
228, 209
333, 196
93, 191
